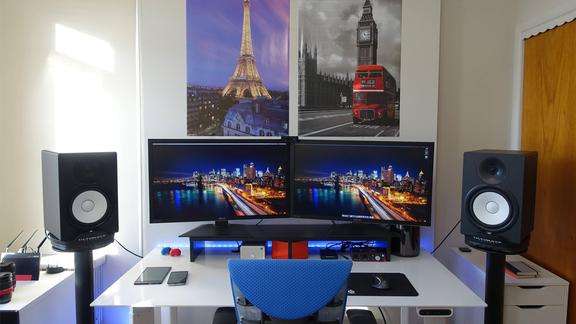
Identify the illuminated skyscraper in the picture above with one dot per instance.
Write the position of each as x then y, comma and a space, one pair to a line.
251, 171
388, 175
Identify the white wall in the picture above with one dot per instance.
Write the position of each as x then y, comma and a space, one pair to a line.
81, 95
477, 82
163, 58
535, 10
475, 105
2, 117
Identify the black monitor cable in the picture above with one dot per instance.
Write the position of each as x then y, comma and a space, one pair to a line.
382, 313
446, 237
260, 221
134, 254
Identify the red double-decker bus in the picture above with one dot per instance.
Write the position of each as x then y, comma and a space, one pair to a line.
375, 96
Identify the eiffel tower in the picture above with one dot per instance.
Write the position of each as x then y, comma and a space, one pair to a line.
246, 81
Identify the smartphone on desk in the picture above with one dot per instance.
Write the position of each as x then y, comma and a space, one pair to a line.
152, 276
177, 278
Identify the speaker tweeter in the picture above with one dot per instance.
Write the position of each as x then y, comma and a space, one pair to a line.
492, 171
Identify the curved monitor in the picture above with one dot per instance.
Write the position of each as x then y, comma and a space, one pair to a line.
389, 182
210, 180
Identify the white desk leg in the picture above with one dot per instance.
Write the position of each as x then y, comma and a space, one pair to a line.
429, 320
404, 315
435, 315
169, 315
143, 315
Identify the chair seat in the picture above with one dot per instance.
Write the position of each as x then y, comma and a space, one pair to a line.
227, 315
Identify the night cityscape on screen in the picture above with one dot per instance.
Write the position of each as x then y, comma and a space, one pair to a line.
363, 182
209, 182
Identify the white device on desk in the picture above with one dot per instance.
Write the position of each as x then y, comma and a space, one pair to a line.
253, 250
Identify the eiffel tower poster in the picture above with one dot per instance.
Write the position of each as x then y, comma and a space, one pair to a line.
237, 67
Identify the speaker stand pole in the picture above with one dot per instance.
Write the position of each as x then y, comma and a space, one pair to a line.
494, 296
84, 276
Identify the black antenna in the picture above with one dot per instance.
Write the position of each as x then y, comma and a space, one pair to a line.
25, 245
42, 242
14, 240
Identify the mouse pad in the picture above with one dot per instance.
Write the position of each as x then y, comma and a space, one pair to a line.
360, 284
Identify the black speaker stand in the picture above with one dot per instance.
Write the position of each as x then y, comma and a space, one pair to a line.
494, 294
84, 276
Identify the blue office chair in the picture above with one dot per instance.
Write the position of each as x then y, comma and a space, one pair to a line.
287, 292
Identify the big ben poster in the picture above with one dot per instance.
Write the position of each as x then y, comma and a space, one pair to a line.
349, 68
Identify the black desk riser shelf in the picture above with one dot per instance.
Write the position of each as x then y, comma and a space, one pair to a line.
286, 233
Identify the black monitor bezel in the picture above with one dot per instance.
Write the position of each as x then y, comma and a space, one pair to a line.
289, 181
429, 209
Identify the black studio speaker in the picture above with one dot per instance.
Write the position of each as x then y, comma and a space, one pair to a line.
80, 192
498, 197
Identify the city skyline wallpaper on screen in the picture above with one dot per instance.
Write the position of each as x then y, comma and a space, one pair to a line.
363, 182
217, 181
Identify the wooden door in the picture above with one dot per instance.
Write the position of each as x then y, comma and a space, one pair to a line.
549, 127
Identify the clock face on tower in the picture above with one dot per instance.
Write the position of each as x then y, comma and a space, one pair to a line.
364, 34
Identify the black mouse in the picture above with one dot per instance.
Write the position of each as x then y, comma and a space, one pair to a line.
379, 282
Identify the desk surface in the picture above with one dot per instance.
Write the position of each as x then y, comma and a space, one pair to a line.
28, 293
209, 284
545, 277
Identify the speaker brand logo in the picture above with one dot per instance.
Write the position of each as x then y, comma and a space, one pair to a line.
485, 240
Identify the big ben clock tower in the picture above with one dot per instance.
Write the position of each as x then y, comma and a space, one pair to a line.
367, 37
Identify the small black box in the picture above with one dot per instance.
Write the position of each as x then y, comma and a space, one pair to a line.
327, 254
27, 265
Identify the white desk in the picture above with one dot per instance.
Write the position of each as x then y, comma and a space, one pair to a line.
209, 284
51, 298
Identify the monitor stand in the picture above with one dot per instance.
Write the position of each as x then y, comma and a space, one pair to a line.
221, 224
287, 233
360, 231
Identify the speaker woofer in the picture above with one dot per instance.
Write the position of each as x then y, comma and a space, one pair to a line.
490, 209
89, 207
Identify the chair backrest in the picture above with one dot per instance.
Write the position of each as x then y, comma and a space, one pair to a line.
288, 290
